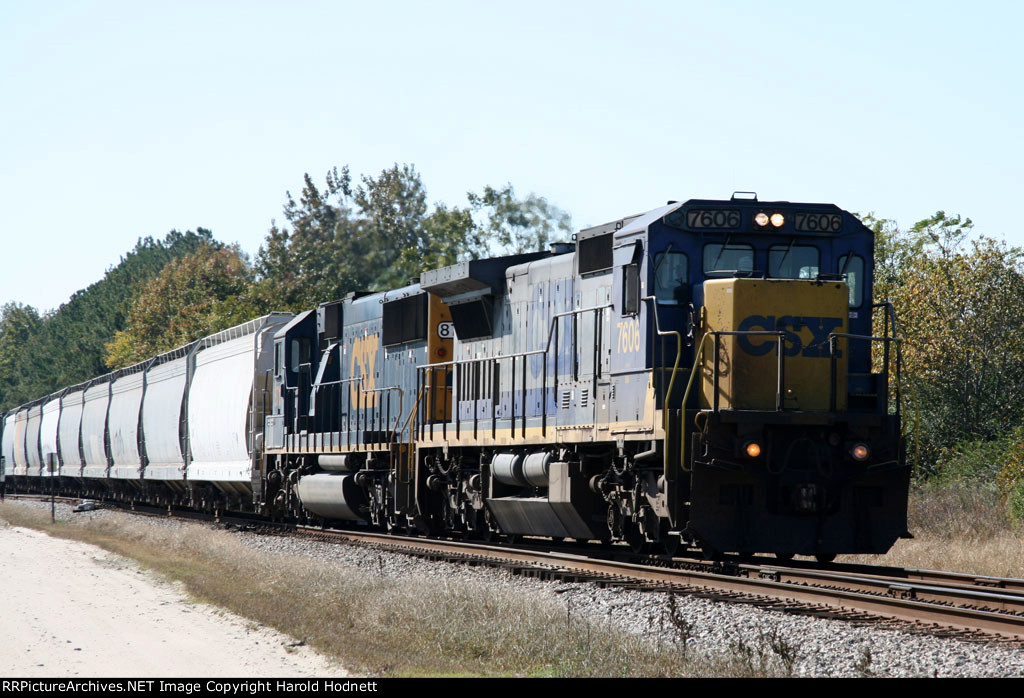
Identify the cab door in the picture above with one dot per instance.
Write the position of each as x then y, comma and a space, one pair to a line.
440, 345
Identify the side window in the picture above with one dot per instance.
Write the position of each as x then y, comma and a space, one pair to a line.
852, 269
300, 353
671, 278
724, 260
631, 289
793, 262
278, 359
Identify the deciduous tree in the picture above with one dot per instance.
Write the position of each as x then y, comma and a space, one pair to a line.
201, 293
960, 304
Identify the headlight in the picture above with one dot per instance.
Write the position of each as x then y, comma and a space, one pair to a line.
753, 449
778, 219
761, 219
860, 452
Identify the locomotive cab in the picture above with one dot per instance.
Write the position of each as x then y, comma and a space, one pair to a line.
791, 443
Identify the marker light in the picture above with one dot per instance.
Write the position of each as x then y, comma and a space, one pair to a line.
753, 449
761, 219
860, 452
778, 219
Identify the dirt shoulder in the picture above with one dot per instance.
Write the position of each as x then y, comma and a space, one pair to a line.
70, 609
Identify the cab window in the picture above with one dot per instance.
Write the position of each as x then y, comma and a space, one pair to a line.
852, 269
793, 262
671, 277
300, 353
724, 260
631, 289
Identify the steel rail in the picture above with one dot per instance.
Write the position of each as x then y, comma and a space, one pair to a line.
936, 610
1005, 601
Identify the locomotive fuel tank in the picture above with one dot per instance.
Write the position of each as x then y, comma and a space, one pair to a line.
332, 496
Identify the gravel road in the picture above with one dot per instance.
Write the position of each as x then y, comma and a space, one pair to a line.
74, 610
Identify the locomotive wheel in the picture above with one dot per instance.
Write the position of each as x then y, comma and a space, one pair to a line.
391, 523
639, 547
487, 528
670, 543
784, 556
634, 536
476, 527
825, 558
709, 552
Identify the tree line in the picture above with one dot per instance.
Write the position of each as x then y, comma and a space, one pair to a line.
958, 295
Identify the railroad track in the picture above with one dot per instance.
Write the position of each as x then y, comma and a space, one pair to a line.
980, 608
930, 604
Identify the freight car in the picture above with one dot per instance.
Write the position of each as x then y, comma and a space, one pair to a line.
175, 429
706, 374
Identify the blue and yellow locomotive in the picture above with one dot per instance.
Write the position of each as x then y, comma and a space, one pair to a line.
704, 374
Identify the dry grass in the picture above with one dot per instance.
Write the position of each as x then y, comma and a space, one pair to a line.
963, 526
409, 626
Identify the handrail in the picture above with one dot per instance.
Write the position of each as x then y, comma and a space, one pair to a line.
698, 356
360, 391
780, 371
890, 317
885, 367
364, 391
401, 397
552, 334
532, 352
672, 380
412, 430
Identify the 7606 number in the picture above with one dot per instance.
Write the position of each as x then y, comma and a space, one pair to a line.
819, 222
728, 218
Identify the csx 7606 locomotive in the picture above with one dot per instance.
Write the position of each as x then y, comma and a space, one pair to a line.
704, 374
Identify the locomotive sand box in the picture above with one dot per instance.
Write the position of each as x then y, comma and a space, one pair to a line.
706, 374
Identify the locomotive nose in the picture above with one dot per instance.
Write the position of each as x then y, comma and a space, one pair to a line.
806, 498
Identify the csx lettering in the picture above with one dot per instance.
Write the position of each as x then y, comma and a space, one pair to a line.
791, 326
629, 336
364, 355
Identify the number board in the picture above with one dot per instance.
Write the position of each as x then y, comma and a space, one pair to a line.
807, 222
716, 218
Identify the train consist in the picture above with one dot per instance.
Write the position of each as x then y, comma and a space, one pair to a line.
705, 374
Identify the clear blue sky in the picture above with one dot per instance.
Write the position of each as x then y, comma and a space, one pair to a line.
127, 119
